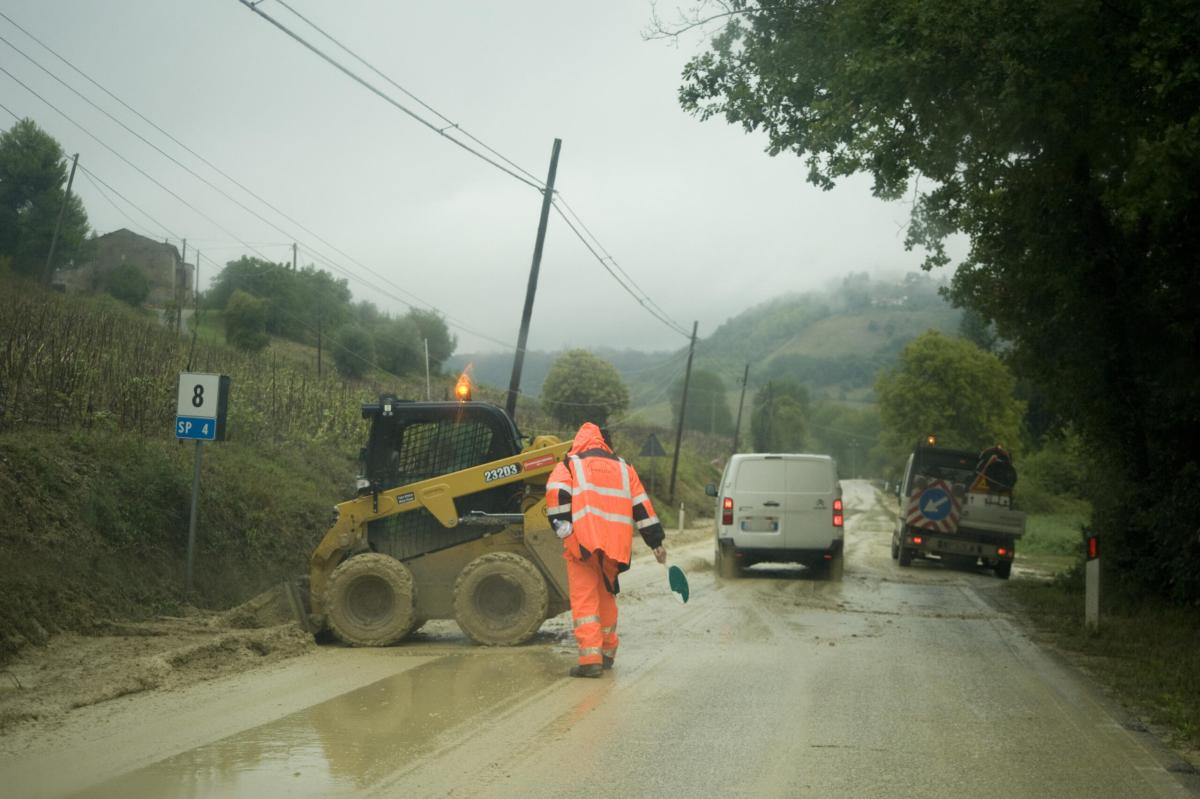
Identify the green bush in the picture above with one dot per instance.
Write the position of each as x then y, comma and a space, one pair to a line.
246, 322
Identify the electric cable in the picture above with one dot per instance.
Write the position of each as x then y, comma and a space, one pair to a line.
646, 303
620, 282
449, 122
451, 320
253, 6
560, 198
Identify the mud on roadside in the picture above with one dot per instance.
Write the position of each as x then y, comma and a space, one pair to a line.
41, 685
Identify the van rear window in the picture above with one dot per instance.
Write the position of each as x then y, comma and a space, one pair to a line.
762, 475
809, 477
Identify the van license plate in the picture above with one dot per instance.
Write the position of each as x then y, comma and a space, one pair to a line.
760, 524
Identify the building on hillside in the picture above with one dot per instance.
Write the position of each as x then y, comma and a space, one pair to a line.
169, 277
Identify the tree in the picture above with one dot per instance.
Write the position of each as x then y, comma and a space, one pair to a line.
33, 178
353, 351
977, 330
432, 328
398, 347
245, 322
128, 284
583, 388
300, 302
778, 419
951, 388
707, 407
1060, 138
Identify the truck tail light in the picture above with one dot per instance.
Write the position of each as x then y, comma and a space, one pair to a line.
838, 517
918, 540
727, 510
1001, 551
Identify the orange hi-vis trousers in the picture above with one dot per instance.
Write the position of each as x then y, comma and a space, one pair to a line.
593, 608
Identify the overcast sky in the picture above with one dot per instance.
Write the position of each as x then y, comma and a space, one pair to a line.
702, 219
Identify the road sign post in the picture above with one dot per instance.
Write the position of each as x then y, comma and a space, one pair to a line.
200, 410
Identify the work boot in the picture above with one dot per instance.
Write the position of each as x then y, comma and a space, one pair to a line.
608, 662
587, 670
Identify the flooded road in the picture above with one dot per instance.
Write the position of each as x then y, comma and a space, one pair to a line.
890, 683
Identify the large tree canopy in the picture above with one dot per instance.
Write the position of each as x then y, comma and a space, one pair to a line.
1064, 140
951, 388
33, 181
580, 387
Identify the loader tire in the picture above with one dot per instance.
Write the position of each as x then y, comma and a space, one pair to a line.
371, 600
905, 556
1004, 569
500, 599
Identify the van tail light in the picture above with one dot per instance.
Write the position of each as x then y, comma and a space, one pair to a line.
727, 510
838, 515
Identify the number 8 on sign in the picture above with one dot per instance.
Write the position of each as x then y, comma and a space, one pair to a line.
197, 396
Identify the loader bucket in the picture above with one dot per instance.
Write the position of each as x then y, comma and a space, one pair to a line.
300, 601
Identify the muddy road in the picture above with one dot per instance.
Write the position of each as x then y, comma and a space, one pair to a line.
890, 683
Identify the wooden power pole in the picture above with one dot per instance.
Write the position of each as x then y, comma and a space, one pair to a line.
687, 378
62, 209
514, 385
737, 427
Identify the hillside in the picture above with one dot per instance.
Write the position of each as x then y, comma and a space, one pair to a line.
833, 342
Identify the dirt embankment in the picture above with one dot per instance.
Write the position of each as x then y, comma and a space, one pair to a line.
95, 527
41, 685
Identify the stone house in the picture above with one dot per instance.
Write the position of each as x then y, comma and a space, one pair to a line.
169, 277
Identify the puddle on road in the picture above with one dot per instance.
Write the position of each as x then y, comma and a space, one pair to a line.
349, 743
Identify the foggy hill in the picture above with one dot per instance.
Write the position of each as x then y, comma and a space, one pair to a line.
834, 342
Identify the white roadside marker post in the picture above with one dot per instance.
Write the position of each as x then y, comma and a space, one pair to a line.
1091, 582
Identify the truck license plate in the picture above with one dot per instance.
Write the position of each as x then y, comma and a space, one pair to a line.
959, 547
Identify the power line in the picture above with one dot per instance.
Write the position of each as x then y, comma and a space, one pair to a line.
559, 198
253, 6
604, 263
644, 300
449, 122
112, 202
233, 180
337, 267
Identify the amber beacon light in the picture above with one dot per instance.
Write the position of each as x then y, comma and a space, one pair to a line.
462, 389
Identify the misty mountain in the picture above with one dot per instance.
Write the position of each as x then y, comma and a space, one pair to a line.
834, 342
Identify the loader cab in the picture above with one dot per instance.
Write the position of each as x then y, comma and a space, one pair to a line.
413, 441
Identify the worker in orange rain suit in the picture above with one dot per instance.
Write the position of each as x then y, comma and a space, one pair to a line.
594, 501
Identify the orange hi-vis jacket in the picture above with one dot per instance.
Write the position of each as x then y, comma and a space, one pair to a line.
603, 499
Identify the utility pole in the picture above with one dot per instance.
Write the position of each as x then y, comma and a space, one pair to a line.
319, 318
514, 384
178, 290
62, 209
293, 256
428, 385
737, 428
687, 378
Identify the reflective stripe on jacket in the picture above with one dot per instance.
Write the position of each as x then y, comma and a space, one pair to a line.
603, 499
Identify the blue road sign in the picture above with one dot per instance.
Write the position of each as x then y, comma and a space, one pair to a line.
197, 428
935, 504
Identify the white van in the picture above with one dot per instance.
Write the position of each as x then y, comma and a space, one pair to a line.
779, 508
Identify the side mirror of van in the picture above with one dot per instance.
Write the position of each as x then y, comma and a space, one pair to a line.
711, 490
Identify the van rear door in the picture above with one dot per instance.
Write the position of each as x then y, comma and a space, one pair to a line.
759, 495
808, 510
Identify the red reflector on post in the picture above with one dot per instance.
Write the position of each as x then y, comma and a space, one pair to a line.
1093, 547
727, 511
